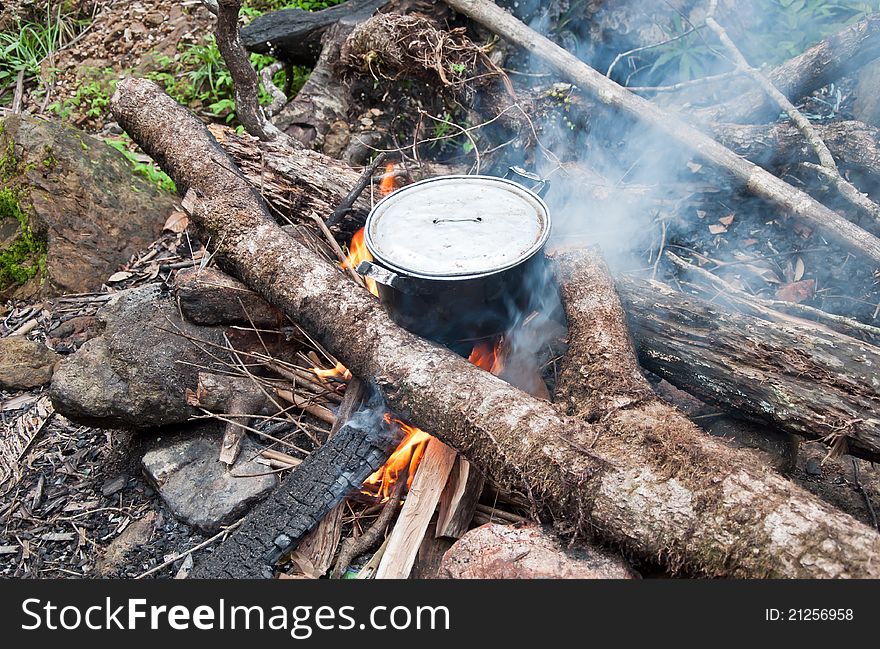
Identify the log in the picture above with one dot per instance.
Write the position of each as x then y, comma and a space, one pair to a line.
653, 483
294, 35
324, 100
302, 500
853, 144
754, 179
805, 380
209, 297
828, 61
418, 509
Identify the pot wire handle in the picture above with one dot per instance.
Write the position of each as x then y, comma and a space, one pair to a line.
514, 173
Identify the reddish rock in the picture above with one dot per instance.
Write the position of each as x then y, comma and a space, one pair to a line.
505, 552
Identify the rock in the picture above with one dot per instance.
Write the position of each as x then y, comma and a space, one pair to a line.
25, 364
210, 297
136, 373
866, 107
81, 201
504, 552
197, 487
135, 535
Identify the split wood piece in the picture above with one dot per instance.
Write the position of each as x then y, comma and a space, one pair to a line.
229, 394
294, 35
302, 500
653, 482
418, 509
756, 180
824, 63
804, 380
207, 296
430, 555
458, 502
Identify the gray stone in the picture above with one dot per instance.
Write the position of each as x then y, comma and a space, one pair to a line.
505, 552
25, 364
135, 375
198, 488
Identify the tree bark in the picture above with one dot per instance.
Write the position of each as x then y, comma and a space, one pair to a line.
853, 144
294, 35
652, 483
838, 55
804, 380
244, 77
756, 180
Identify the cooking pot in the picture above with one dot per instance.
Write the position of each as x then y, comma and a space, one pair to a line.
454, 257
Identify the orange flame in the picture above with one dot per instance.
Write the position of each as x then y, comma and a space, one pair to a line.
487, 356
357, 252
339, 372
407, 454
388, 183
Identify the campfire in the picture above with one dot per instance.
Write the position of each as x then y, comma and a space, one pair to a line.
475, 293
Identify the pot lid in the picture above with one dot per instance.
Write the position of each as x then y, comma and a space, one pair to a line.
457, 227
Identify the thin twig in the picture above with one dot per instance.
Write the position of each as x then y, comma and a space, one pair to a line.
198, 547
349, 200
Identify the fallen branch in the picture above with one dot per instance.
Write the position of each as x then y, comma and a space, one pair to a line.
654, 483
827, 166
824, 63
756, 180
244, 77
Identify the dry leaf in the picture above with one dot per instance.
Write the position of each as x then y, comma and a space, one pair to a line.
177, 222
727, 220
717, 228
694, 167
750, 242
767, 274
121, 276
797, 292
799, 269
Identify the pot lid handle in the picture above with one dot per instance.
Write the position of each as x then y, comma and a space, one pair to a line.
540, 185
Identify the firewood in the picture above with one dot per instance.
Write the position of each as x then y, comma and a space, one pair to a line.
459, 499
418, 509
209, 297
754, 179
294, 35
643, 477
853, 144
802, 379
838, 55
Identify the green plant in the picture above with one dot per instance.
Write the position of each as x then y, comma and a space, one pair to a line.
147, 170
782, 29
25, 45
92, 96
25, 257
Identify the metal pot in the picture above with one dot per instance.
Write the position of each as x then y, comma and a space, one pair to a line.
453, 257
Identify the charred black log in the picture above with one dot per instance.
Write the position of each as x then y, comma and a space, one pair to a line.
303, 499
294, 35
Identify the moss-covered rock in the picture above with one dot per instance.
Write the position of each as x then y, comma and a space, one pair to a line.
71, 209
